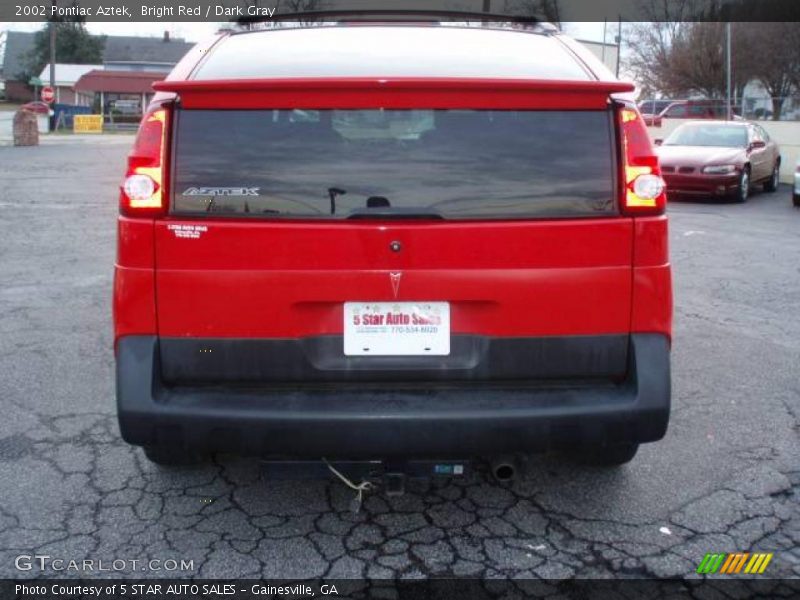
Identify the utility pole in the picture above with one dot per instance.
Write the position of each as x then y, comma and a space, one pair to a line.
52, 31
619, 42
728, 68
605, 26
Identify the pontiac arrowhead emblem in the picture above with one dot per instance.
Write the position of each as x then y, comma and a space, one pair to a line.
395, 278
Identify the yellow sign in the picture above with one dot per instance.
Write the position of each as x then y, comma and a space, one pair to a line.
87, 124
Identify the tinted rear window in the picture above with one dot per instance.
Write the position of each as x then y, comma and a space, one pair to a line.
342, 163
390, 51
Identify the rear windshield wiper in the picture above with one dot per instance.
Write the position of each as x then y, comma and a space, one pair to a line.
395, 213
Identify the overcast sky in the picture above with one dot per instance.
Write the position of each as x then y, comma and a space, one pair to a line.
197, 31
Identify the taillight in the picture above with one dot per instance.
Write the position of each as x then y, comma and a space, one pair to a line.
144, 192
645, 191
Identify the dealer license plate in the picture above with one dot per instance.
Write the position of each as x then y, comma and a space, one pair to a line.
396, 328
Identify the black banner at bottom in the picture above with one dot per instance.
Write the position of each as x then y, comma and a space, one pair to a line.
462, 589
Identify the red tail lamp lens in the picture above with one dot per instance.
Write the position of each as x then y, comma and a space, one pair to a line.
645, 191
143, 192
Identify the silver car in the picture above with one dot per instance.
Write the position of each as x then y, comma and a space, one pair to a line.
796, 190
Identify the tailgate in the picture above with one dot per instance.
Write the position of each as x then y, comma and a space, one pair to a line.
504, 216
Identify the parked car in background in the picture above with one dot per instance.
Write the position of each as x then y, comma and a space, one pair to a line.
719, 158
37, 106
691, 109
796, 190
651, 108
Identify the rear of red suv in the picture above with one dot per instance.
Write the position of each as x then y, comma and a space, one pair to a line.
416, 251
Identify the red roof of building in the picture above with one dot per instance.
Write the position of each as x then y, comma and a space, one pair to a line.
118, 82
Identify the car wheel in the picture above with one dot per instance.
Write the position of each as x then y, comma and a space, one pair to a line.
608, 456
796, 199
166, 456
743, 190
772, 184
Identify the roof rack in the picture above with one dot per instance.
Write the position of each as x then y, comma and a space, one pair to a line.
396, 14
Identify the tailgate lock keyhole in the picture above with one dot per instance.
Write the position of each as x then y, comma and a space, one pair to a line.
395, 246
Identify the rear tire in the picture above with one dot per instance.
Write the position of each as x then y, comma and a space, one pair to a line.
743, 190
796, 199
165, 456
771, 185
609, 456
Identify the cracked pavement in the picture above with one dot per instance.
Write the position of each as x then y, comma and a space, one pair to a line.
726, 478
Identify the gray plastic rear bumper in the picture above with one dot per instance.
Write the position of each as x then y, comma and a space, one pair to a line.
385, 419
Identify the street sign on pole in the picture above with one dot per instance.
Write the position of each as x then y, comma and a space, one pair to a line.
48, 94
52, 36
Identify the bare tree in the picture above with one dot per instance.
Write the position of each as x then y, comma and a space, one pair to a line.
285, 7
691, 60
677, 53
774, 59
547, 10
650, 41
297, 6
696, 61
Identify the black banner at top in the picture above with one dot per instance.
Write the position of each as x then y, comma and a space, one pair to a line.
271, 10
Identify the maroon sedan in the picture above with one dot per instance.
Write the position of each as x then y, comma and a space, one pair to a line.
719, 158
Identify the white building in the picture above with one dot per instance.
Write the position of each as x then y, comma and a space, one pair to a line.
66, 77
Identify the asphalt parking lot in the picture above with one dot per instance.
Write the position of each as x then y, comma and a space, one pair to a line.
725, 479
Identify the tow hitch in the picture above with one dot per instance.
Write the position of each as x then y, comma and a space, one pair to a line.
394, 484
365, 476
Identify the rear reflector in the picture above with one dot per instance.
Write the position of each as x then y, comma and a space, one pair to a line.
645, 191
143, 191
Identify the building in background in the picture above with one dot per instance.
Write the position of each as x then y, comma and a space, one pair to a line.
608, 53
131, 53
66, 77
121, 53
15, 47
118, 93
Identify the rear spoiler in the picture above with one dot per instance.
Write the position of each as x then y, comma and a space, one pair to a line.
399, 93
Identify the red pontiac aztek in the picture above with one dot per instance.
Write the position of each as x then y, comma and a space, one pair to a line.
389, 242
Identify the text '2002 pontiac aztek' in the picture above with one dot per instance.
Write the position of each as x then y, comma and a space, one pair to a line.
392, 241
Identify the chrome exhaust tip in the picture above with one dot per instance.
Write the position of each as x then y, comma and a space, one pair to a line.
504, 469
